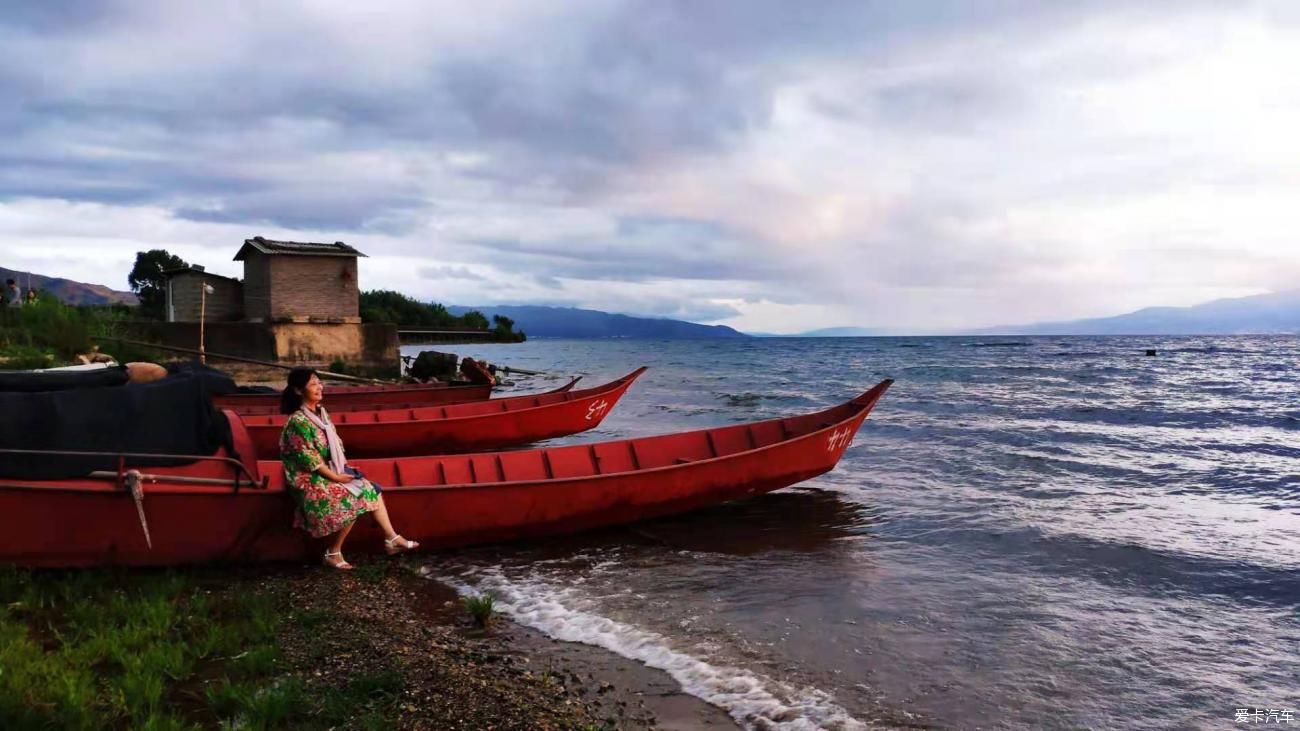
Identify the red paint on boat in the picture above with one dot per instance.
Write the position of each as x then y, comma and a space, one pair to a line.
332, 395
442, 502
365, 397
453, 428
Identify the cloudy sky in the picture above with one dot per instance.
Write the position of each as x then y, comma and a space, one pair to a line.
774, 166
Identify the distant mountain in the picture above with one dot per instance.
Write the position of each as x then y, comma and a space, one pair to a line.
1264, 314
570, 322
73, 293
841, 332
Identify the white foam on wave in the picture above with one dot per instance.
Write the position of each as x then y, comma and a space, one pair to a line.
754, 701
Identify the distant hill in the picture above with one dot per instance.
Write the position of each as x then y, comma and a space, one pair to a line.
570, 322
73, 293
1264, 314
841, 332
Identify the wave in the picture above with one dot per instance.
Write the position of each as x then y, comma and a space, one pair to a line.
752, 399
1210, 350
754, 701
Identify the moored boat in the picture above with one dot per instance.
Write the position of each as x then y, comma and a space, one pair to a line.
467, 427
365, 397
230, 508
93, 375
349, 404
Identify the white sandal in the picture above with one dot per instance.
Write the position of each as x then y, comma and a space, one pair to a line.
340, 563
391, 547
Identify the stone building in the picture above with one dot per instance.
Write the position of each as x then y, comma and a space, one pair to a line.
184, 296
299, 303
293, 281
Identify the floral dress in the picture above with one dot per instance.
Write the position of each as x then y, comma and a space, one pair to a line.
324, 506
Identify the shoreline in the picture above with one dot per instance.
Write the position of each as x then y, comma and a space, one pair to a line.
304, 646
506, 676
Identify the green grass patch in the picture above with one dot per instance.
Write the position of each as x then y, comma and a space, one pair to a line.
480, 608
310, 619
109, 649
370, 697
372, 571
258, 706
49, 333
25, 357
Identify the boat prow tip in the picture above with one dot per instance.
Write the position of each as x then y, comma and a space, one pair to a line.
873, 394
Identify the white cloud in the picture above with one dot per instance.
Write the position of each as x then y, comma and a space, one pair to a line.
901, 169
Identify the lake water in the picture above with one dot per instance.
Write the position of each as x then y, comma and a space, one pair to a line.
1027, 533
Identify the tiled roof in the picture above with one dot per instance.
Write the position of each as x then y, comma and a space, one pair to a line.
295, 248
169, 273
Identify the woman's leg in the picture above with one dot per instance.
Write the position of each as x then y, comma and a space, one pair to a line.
342, 535
386, 525
381, 517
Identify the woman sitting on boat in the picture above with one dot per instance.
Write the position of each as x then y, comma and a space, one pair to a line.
330, 494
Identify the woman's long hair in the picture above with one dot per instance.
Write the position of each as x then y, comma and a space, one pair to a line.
290, 398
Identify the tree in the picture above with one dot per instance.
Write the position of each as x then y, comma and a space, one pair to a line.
504, 330
383, 305
475, 319
149, 283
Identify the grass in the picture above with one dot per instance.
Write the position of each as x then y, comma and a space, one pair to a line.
480, 608
367, 700
105, 649
21, 357
47, 333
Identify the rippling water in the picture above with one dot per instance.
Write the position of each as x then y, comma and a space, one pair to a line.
1027, 533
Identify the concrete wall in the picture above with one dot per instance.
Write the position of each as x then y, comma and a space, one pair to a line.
322, 344
226, 302
365, 345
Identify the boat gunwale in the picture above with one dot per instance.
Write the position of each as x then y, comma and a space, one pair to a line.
867, 407
569, 397
864, 407
263, 412
410, 388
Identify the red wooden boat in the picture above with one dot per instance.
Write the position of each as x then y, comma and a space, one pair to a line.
229, 508
479, 425
366, 397
355, 405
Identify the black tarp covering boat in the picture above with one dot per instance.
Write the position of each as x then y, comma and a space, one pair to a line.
61, 380
67, 379
170, 416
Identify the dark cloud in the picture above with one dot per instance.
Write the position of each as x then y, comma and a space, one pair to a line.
653, 81
643, 248
58, 17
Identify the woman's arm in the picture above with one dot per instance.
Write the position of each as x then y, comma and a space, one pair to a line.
331, 475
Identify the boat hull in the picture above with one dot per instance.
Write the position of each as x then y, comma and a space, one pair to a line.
74, 523
493, 424
362, 398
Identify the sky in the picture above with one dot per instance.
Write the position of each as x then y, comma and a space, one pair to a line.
769, 165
